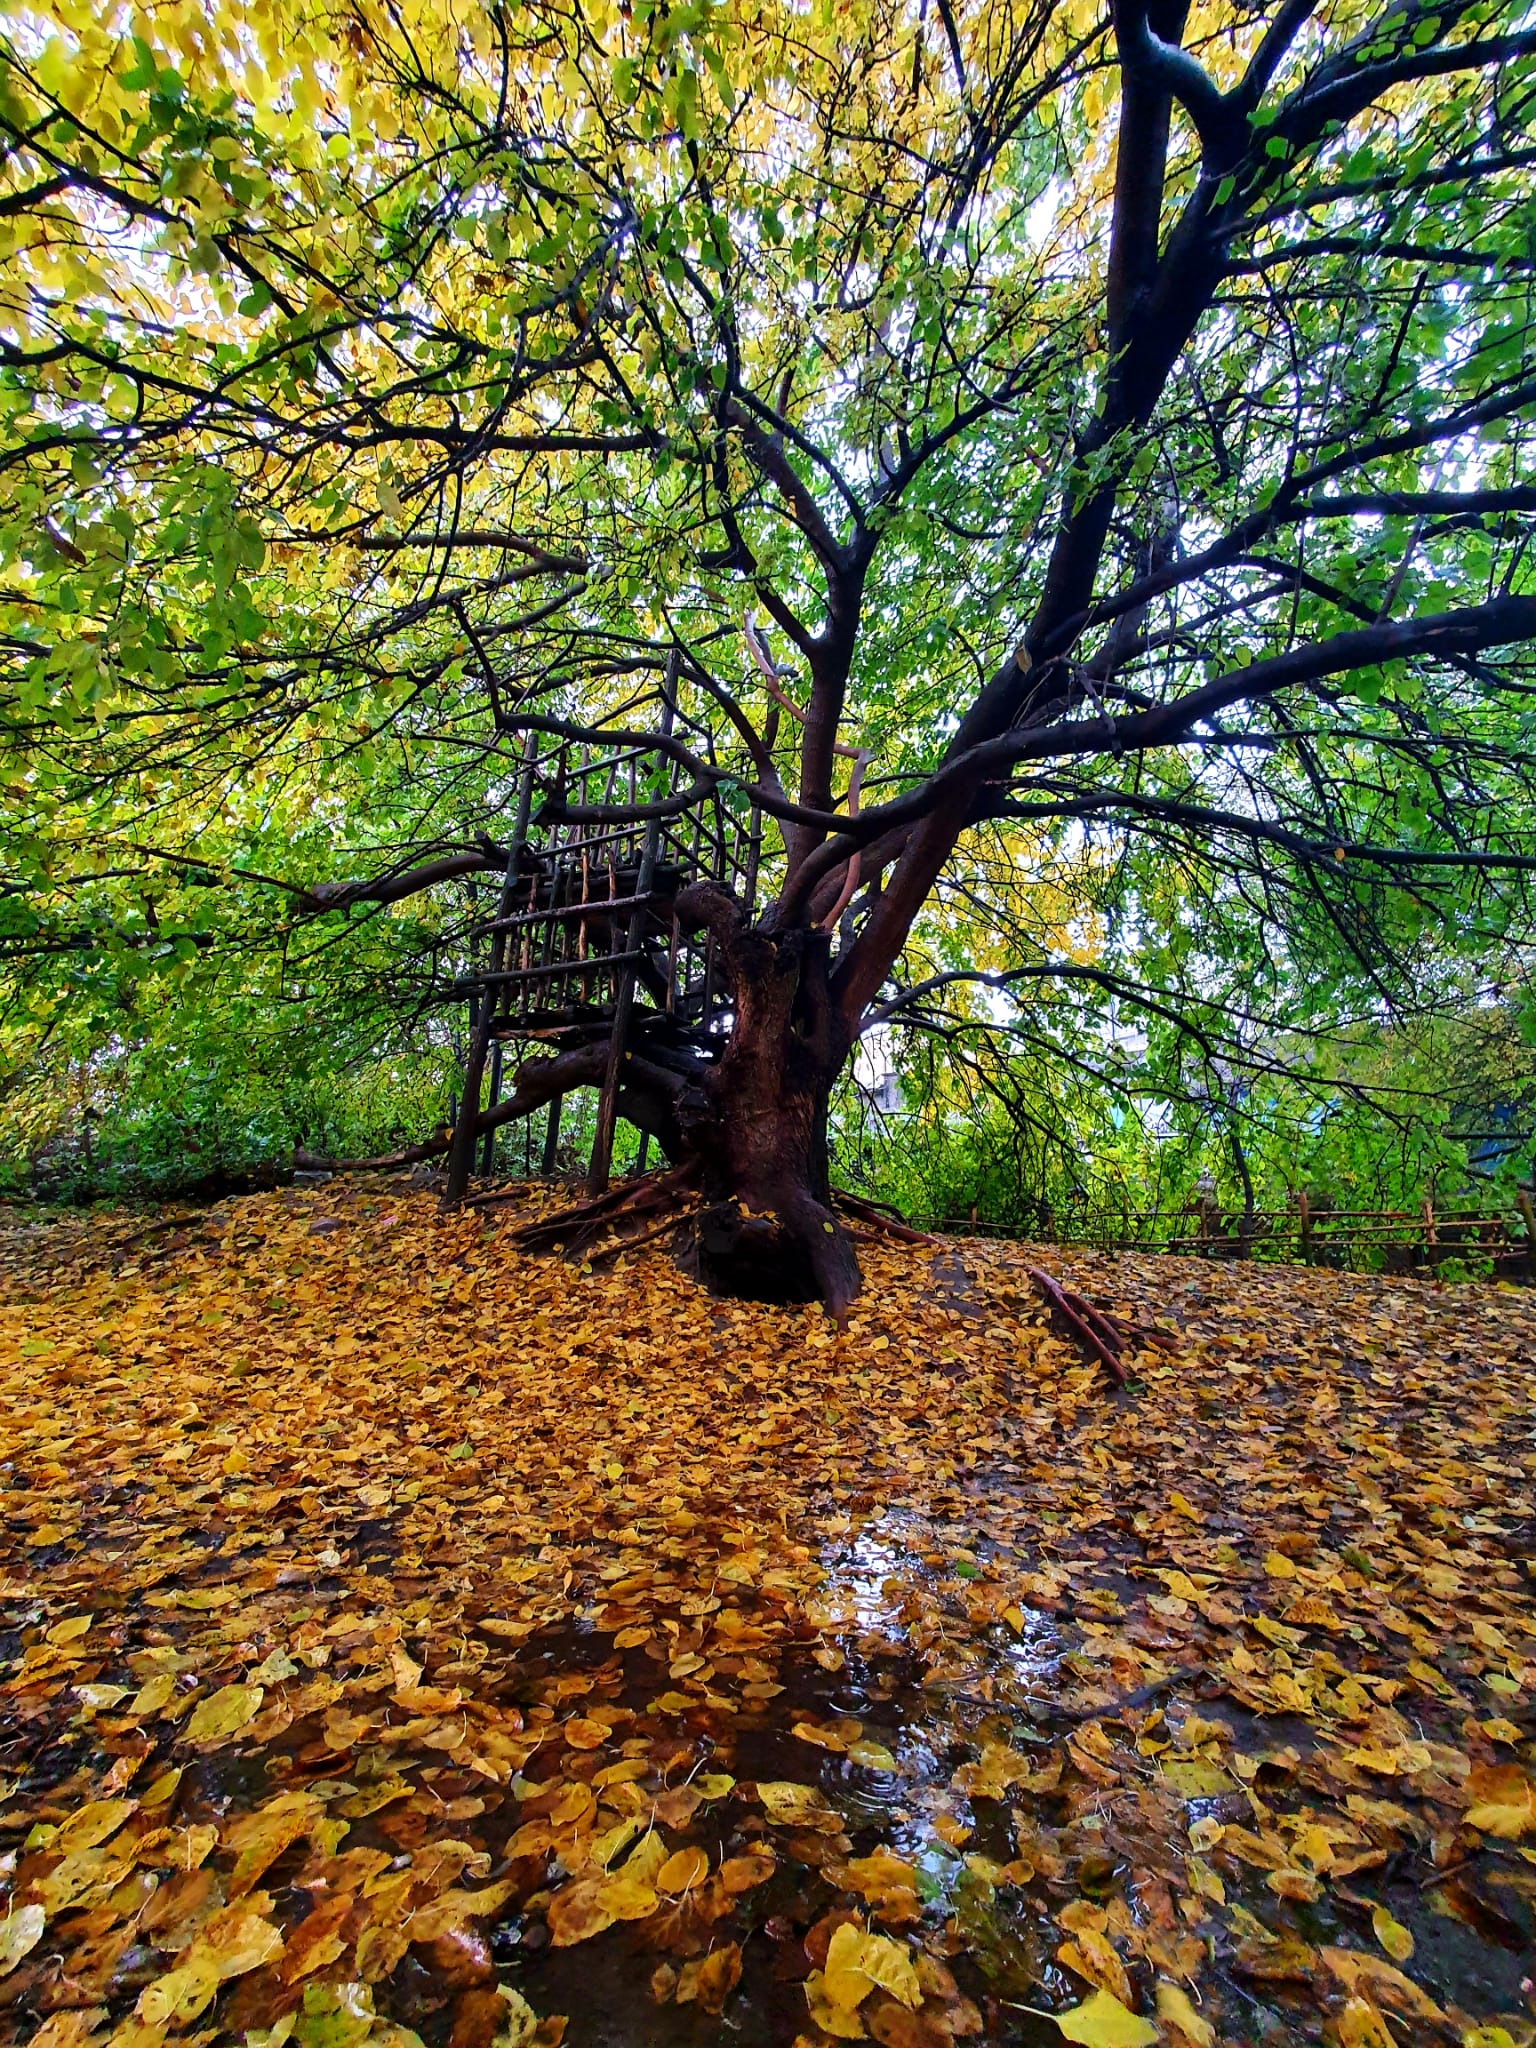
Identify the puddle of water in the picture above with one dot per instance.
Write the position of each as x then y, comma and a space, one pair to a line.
938, 1684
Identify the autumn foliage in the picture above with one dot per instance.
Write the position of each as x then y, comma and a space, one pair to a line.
409, 1639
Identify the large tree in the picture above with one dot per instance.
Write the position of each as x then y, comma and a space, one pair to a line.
1098, 439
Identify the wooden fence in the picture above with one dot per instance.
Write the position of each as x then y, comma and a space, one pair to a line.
1308, 1232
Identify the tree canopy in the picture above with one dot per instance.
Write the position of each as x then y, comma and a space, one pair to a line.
1075, 466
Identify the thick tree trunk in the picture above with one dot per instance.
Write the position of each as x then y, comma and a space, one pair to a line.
747, 1132
769, 1232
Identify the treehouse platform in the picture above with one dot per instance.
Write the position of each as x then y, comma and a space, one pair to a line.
585, 944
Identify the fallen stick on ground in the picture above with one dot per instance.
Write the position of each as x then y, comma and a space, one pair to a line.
1090, 1325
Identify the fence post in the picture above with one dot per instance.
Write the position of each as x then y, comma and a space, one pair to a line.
1304, 1211
1429, 1231
1528, 1217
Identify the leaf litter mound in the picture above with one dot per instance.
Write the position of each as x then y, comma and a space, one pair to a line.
407, 1640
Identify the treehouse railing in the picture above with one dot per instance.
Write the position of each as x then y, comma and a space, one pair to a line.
585, 928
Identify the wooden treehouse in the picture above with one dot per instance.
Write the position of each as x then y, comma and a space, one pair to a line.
585, 947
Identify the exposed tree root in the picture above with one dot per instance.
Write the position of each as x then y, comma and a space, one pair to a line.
578, 1228
1100, 1334
794, 1252
615, 1246
881, 1218
516, 1191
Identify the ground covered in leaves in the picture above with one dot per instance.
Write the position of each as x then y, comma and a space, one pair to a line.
404, 1639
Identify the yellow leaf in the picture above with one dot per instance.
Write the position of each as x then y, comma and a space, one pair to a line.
709, 1981
234, 1941
1092, 1956
847, 1983
605, 1848
1360, 2025
404, 1669
1392, 1934
626, 1898
1500, 1730
178, 1996
576, 1914
681, 1872
163, 1789
259, 1838
839, 2020
880, 1878
1503, 1801
573, 1804
68, 1631
859, 1963
239, 1939
1103, 2022
889, 1965
152, 1695
224, 1713
92, 1824
1175, 2010
998, 1767
20, 1932
822, 1738
744, 1872
1205, 1881
582, 1733
451, 1911
796, 1806
874, 1756
1382, 1983
1279, 1566
99, 1698
519, 2024
274, 1668
1195, 1778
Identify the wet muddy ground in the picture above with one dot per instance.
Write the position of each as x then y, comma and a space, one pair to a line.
404, 1638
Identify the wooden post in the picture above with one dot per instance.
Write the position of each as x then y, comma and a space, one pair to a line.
624, 998
552, 1137
754, 857
1304, 1211
1429, 1231
488, 1145
461, 1156
1528, 1217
